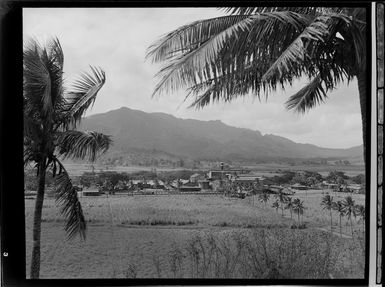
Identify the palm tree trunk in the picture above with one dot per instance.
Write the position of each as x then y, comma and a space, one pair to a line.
363, 225
361, 79
331, 222
35, 260
351, 226
340, 227
291, 214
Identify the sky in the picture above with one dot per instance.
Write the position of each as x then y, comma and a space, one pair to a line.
116, 40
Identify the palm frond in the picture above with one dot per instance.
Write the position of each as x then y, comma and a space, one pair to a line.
257, 49
83, 95
339, 207
228, 51
189, 37
66, 197
308, 97
253, 10
43, 75
327, 202
182, 69
296, 53
37, 82
78, 144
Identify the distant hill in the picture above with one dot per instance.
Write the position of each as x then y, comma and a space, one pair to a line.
135, 131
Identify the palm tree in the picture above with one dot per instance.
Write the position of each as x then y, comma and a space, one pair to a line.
276, 205
51, 112
327, 203
339, 207
349, 210
289, 205
282, 199
298, 208
257, 49
264, 197
360, 211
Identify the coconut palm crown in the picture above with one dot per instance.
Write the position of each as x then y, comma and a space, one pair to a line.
51, 114
254, 50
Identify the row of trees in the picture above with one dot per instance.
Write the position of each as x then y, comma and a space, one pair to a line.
283, 202
310, 178
346, 207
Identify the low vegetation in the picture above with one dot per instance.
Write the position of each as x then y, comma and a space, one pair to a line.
172, 236
258, 253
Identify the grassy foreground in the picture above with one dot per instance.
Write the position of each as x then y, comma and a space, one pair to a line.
195, 236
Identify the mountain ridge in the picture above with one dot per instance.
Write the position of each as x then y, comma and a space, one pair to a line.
199, 139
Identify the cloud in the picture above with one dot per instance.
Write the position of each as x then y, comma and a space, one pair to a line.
117, 39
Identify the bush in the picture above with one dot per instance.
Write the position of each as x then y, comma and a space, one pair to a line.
296, 226
259, 254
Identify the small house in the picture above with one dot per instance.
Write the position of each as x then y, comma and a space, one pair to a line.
91, 192
196, 177
189, 187
298, 186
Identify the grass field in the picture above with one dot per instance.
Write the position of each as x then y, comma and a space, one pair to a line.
133, 236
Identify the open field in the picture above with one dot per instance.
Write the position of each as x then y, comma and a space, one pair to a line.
133, 236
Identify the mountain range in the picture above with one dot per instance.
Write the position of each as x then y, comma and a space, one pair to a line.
134, 130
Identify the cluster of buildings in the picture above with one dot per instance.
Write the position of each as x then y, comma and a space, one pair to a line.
213, 180
223, 180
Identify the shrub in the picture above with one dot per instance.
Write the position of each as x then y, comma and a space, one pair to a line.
296, 226
260, 254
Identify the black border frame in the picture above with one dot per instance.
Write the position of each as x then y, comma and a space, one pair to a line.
11, 120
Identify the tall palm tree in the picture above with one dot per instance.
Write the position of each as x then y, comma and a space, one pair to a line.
289, 205
339, 207
360, 211
51, 113
257, 49
298, 208
264, 197
275, 205
349, 209
327, 203
282, 200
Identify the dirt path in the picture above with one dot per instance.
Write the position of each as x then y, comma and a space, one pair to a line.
334, 232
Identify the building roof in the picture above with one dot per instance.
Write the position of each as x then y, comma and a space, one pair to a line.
91, 190
246, 178
229, 170
195, 175
298, 185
